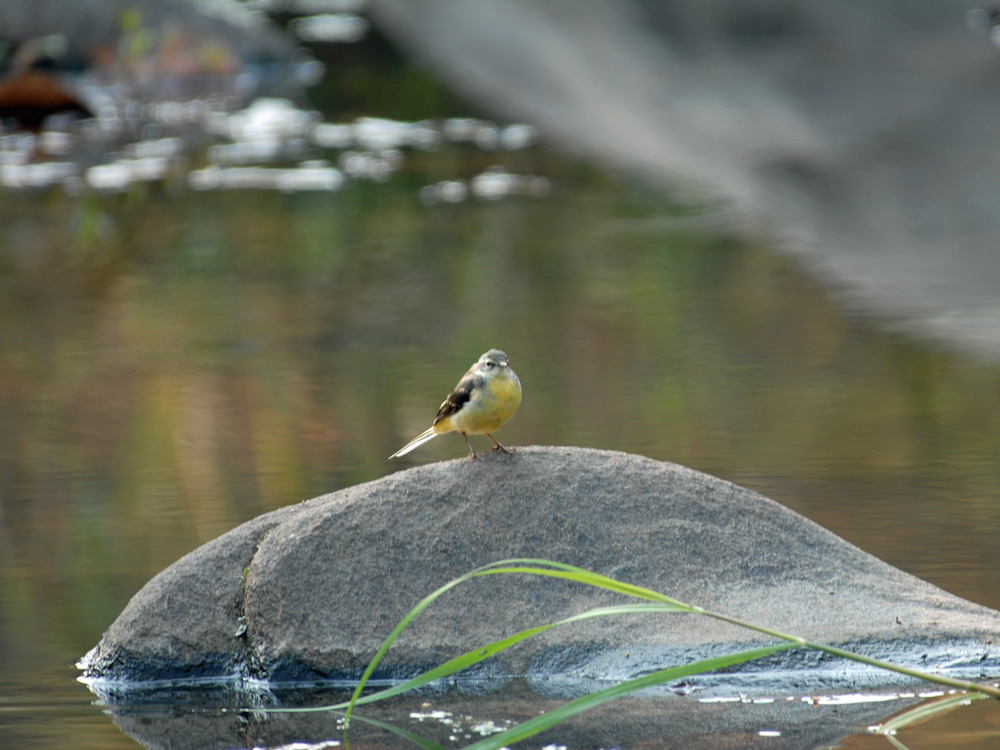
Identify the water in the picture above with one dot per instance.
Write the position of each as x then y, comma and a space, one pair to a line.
175, 361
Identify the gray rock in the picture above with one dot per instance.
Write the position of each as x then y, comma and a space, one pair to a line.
328, 579
859, 135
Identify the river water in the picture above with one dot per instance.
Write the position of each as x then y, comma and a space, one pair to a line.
182, 353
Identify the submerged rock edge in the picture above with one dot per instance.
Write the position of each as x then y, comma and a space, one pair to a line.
798, 670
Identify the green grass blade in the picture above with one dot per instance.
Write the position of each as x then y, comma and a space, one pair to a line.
540, 723
470, 658
504, 567
926, 710
404, 733
530, 566
927, 676
584, 576
420, 607
573, 573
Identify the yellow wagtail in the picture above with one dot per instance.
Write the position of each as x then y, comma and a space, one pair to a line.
484, 399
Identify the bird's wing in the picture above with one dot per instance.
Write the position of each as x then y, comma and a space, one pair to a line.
459, 396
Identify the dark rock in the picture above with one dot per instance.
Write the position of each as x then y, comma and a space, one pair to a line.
139, 50
327, 580
90, 30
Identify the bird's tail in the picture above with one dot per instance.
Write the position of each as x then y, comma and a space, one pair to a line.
419, 440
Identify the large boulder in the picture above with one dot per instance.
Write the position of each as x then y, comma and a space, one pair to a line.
311, 591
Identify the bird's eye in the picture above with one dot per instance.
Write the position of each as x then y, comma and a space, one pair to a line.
490, 364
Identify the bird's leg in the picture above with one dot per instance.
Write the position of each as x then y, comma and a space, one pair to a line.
472, 452
497, 446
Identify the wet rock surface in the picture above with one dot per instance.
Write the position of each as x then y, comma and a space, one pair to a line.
309, 592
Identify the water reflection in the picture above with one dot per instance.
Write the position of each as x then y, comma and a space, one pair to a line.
460, 714
268, 132
203, 357
177, 363
176, 359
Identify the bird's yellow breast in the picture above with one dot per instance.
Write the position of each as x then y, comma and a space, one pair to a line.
506, 392
490, 407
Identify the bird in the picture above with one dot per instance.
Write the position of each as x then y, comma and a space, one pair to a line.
482, 402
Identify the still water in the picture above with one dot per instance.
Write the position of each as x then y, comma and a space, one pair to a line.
176, 360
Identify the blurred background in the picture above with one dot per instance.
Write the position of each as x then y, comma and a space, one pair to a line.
247, 247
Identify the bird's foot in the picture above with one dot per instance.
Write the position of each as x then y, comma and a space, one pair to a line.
497, 446
472, 451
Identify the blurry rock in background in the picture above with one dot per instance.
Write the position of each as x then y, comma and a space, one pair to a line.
859, 136
87, 83
106, 94
157, 49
